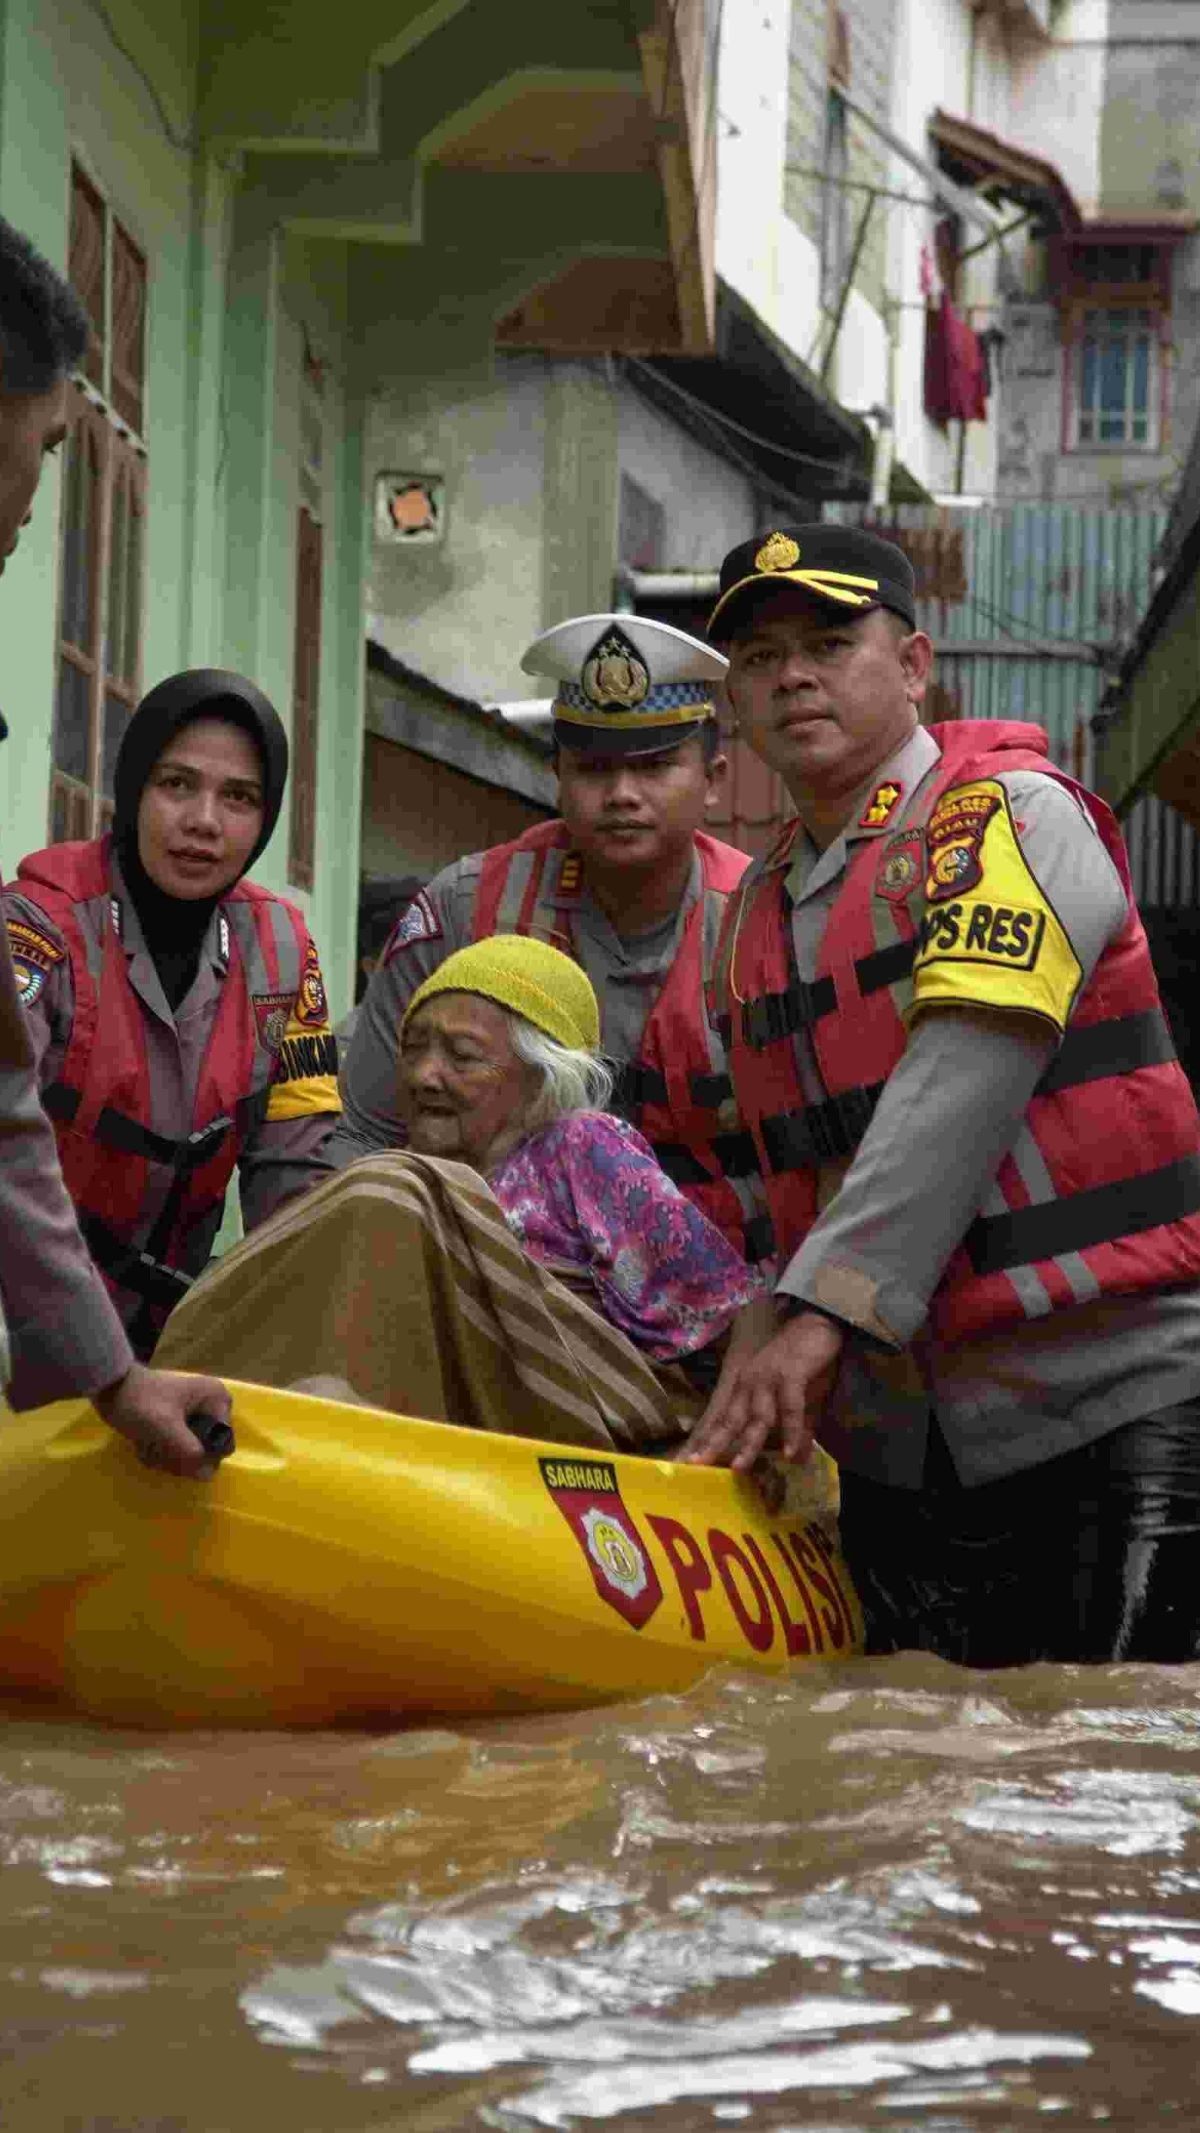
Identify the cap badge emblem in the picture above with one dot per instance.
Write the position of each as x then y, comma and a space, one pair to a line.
614, 673
778, 552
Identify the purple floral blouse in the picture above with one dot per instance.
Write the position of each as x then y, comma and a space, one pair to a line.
587, 1193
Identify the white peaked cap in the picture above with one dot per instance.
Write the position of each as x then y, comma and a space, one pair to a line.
670, 654
624, 682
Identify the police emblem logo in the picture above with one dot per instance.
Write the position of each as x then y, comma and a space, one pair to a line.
901, 866
312, 1009
34, 956
778, 552
881, 806
621, 1560
956, 833
953, 868
272, 1012
30, 982
615, 676
588, 1494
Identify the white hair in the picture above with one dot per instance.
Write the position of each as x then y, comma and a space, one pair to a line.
572, 1080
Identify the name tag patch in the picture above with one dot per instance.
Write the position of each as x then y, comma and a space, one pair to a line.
985, 933
989, 936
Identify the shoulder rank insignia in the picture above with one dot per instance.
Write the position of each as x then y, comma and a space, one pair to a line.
881, 806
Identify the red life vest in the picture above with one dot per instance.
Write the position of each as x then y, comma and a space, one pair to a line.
1113, 1122
101, 1102
677, 1092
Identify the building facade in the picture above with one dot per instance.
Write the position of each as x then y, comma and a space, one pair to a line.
208, 507
271, 227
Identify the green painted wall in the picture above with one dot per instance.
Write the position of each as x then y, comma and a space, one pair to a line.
227, 326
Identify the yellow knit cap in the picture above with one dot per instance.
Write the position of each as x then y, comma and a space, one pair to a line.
529, 976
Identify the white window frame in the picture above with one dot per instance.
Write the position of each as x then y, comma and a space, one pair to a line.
1084, 429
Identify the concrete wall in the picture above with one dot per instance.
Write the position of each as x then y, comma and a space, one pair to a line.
871, 26
463, 610
756, 249
1117, 96
708, 505
532, 458
1057, 95
932, 70
1150, 142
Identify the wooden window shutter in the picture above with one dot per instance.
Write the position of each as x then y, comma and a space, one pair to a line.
302, 842
86, 267
128, 329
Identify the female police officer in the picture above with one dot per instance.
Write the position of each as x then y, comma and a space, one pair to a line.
176, 1009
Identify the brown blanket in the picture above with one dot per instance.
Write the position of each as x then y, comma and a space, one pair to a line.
401, 1279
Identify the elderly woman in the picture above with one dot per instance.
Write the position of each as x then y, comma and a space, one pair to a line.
525, 1265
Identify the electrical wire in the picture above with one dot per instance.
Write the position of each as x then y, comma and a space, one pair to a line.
727, 450
838, 468
183, 143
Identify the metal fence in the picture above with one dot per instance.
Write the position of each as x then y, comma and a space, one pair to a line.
1164, 853
1027, 604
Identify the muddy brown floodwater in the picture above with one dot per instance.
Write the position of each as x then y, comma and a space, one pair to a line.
888, 1894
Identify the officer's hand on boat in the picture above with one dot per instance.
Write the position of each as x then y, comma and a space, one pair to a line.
767, 1399
174, 1423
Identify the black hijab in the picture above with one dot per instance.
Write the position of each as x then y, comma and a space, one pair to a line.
174, 927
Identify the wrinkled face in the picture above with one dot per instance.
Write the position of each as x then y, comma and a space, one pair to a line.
463, 1090
32, 425
202, 810
821, 699
638, 812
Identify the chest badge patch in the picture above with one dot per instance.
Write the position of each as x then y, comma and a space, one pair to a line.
272, 1012
589, 1496
956, 834
881, 806
901, 866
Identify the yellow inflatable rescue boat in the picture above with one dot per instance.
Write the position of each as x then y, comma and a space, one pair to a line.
351, 1566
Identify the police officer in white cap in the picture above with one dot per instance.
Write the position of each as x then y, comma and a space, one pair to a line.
627, 881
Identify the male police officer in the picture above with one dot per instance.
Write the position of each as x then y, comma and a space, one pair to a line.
982, 1157
64, 1335
627, 881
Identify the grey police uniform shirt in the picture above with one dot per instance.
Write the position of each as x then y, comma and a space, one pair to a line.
64, 1336
950, 1110
278, 1160
628, 973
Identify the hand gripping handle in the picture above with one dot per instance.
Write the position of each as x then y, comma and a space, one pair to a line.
216, 1436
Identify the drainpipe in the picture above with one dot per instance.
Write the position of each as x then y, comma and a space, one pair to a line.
633, 585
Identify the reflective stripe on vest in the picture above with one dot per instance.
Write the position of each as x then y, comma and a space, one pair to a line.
1057, 1226
678, 1091
101, 1101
